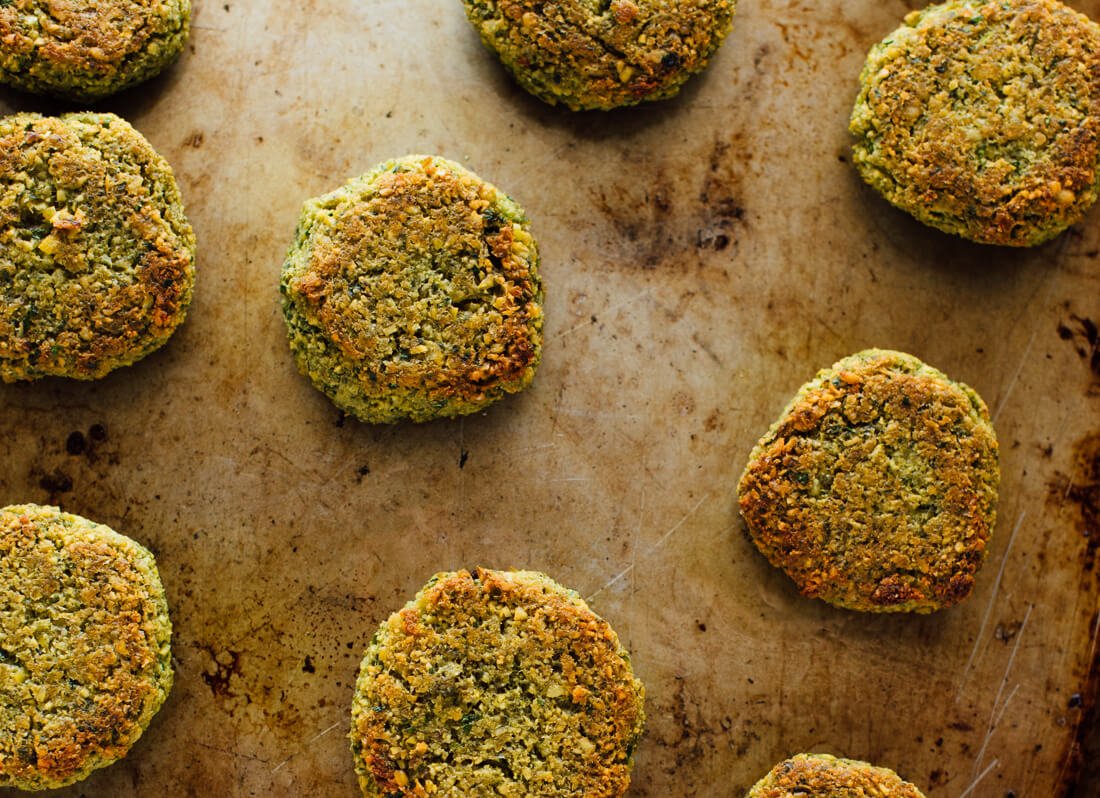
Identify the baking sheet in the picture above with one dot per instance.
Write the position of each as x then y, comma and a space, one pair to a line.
702, 258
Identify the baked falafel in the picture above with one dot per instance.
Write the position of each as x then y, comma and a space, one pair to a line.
982, 119
84, 50
496, 683
85, 657
96, 254
825, 776
413, 292
876, 489
601, 55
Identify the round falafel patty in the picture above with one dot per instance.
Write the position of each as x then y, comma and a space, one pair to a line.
85, 659
413, 292
96, 255
84, 50
824, 776
597, 55
982, 119
496, 683
876, 489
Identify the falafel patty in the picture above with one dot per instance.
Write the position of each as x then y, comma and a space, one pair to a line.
84, 50
96, 255
824, 776
413, 292
496, 683
982, 119
85, 659
876, 489
597, 55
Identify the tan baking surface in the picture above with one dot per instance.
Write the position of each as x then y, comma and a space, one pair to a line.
702, 258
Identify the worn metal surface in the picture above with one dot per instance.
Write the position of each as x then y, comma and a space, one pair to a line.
702, 259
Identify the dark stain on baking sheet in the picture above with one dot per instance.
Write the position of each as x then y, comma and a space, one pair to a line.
1077, 781
1083, 334
89, 444
55, 483
671, 217
225, 665
69, 461
76, 444
691, 734
1078, 493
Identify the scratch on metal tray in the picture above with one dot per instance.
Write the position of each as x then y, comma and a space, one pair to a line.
591, 415
309, 742
999, 708
1044, 288
634, 541
661, 542
1015, 376
989, 608
625, 303
978, 780
231, 753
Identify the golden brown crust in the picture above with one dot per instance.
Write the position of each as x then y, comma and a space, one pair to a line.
496, 683
983, 119
824, 776
876, 489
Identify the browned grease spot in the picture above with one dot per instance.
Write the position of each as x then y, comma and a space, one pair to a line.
1081, 491
714, 421
56, 482
1082, 332
227, 664
660, 223
1077, 781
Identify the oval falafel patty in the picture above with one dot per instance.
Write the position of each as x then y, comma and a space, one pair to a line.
824, 776
96, 255
85, 659
982, 119
84, 50
496, 683
590, 55
876, 489
413, 292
